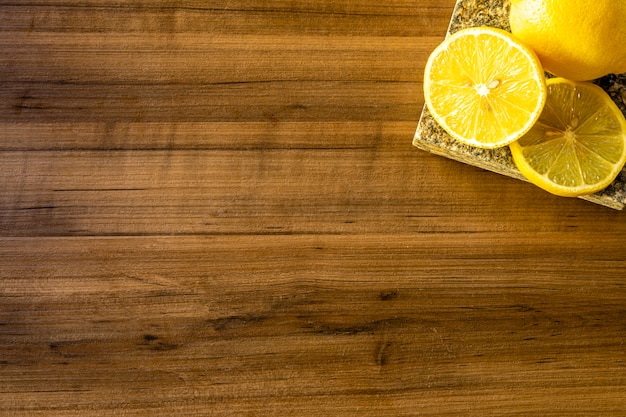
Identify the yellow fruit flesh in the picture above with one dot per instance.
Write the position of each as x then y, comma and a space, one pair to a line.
578, 145
483, 87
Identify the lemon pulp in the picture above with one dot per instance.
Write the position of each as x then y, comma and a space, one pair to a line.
484, 87
578, 145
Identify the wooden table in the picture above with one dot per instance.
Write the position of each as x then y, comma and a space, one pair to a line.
213, 208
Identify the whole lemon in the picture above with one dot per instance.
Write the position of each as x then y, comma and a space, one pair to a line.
574, 39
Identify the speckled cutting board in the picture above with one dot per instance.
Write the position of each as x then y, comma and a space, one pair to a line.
432, 138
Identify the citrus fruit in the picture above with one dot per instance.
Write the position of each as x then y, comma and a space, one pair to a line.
574, 39
578, 145
484, 87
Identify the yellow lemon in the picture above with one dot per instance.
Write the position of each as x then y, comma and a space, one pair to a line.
578, 145
574, 39
484, 87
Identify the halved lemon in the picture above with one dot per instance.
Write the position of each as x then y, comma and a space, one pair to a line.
578, 145
484, 87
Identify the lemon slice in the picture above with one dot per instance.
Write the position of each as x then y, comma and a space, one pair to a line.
578, 145
484, 87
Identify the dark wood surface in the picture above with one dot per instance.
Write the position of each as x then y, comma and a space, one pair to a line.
214, 209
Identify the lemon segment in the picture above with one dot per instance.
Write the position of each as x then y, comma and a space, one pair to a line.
484, 87
578, 145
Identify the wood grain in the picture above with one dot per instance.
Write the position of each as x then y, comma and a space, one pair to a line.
215, 209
